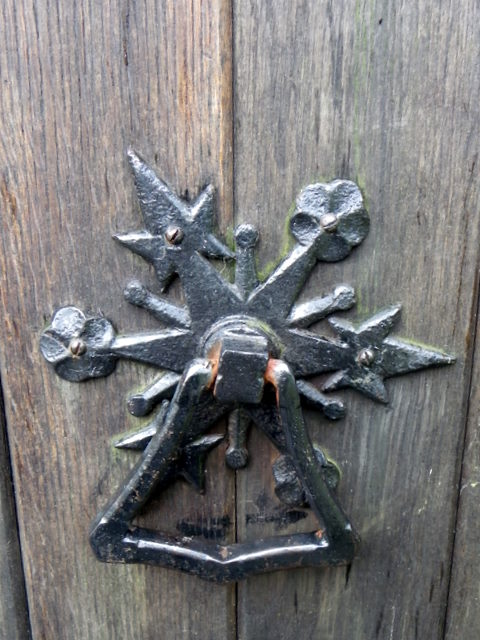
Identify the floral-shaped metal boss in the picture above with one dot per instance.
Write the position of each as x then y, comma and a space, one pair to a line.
241, 349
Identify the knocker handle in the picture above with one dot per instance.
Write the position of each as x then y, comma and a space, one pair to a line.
114, 539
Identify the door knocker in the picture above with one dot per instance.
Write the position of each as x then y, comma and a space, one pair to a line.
241, 349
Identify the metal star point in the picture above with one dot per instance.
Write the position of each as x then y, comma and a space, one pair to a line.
169, 221
373, 356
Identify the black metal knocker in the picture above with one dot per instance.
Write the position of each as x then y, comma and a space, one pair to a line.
241, 349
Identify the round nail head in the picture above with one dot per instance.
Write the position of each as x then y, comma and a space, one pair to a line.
329, 222
174, 235
366, 357
246, 236
237, 458
77, 347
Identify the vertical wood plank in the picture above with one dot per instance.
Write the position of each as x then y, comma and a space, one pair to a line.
385, 94
463, 611
13, 604
80, 82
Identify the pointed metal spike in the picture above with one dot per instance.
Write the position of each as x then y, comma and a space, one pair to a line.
135, 160
165, 272
283, 285
164, 387
143, 243
191, 465
402, 357
147, 181
380, 324
158, 202
204, 443
370, 384
167, 349
139, 440
201, 209
344, 328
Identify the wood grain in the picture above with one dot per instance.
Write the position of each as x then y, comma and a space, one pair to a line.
13, 604
385, 94
80, 82
463, 619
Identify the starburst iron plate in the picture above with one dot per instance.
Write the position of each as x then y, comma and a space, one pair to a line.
241, 349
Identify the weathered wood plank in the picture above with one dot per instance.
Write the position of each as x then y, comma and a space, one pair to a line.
463, 610
385, 94
13, 604
80, 82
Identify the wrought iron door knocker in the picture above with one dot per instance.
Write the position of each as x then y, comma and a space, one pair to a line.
241, 349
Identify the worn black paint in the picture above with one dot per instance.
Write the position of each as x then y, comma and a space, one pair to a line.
227, 350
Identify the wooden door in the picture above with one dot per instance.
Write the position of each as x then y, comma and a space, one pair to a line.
259, 98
